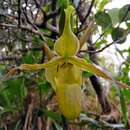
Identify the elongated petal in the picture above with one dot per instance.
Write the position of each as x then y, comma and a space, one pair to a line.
50, 74
96, 70
48, 64
89, 67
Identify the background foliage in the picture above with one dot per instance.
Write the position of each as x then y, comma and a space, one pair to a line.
27, 100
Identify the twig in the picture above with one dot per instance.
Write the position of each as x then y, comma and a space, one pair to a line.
19, 13
89, 11
108, 45
103, 48
37, 4
111, 43
16, 58
27, 117
114, 126
39, 123
8, 15
27, 28
98, 50
79, 12
8, 58
37, 32
28, 20
52, 28
101, 35
100, 123
5, 127
53, 14
48, 124
86, 34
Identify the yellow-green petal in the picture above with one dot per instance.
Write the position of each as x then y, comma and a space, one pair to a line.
69, 99
51, 63
95, 70
50, 74
89, 67
69, 74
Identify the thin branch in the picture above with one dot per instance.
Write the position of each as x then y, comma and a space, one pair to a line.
8, 15
99, 123
101, 35
52, 28
37, 4
28, 20
53, 14
34, 30
102, 49
108, 45
8, 58
86, 34
89, 11
27, 28
19, 13
16, 58
79, 12
37, 32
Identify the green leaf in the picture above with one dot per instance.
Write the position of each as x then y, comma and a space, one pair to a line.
102, 4
13, 92
123, 106
28, 58
128, 24
53, 115
58, 127
5, 100
103, 20
119, 35
114, 15
126, 92
44, 86
36, 40
87, 74
98, 44
61, 22
124, 13
63, 3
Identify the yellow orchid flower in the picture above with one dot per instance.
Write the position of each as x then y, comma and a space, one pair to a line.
64, 72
